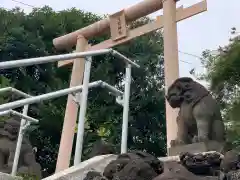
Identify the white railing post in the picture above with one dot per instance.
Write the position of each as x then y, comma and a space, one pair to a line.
19, 142
82, 112
126, 109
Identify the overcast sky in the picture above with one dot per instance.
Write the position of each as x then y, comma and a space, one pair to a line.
204, 31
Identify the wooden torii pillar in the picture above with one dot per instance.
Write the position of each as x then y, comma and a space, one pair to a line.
116, 25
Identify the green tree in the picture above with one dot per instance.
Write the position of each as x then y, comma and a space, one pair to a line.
5, 97
30, 35
223, 75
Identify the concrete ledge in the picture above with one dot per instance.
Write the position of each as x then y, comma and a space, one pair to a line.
176, 158
78, 172
4, 176
196, 148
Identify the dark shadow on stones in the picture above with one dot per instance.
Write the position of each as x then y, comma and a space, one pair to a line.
101, 148
231, 161
137, 164
176, 171
200, 164
94, 175
155, 163
114, 167
136, 170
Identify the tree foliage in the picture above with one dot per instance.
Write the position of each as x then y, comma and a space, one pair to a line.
5, 97
223, 74
30, 35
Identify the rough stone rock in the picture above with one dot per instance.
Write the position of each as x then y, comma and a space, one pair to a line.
230, 166
9, 177
199, 164
93, 175
101, 148
114, 167
232, 175
136, 169
155, 163
8, 139
231, 161
138, 164
175, 171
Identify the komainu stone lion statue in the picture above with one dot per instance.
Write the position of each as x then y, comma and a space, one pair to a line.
199, 117
8, 139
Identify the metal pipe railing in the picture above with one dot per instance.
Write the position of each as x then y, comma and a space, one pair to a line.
63, 57
13, 90
6, 89
127, 60
102, 84
15, 113
20, 93
54, 58
23, 125
84, 88
29, 99
63, 92
112, 89
44, 97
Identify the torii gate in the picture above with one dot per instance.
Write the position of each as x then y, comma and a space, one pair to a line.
116, 25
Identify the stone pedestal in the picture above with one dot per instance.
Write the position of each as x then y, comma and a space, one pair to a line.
4, 176
197, 148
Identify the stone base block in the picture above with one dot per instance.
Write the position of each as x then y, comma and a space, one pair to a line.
4, 176
196, 148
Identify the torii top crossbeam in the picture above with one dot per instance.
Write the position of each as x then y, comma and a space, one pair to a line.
132, 13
